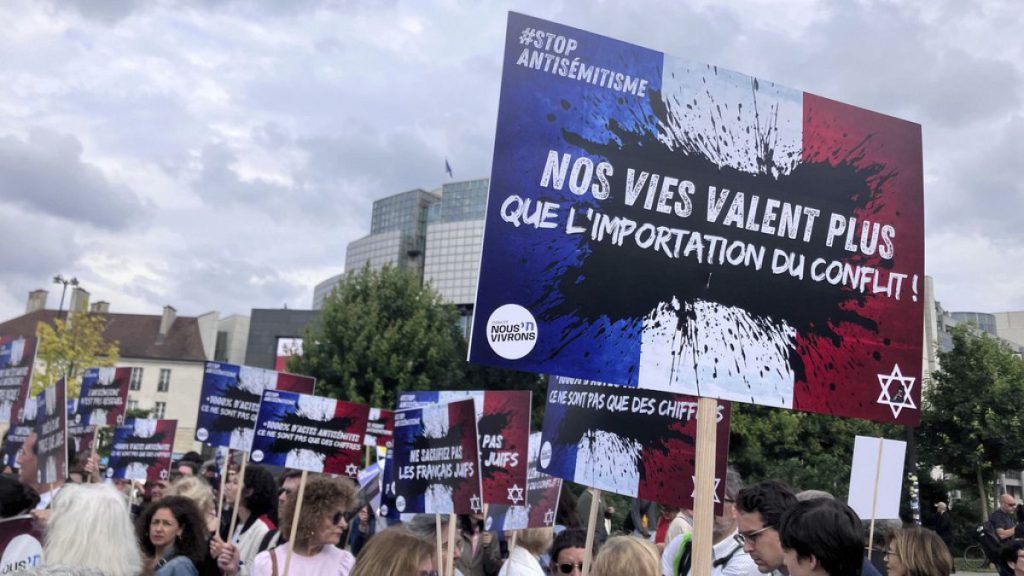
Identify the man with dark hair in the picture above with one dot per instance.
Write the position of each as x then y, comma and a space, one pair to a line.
758, 511
257, 514
567, 552
822, 537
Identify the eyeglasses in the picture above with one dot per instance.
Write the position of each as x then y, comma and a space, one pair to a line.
338, 517
283, 491
427, 573
566, 567
751, 537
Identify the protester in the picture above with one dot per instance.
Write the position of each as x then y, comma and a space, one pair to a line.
643, 516
758, 511
362, 527
289, 485
867, 566
1003, 519
480, 554
89, 532
523, 558
257, 515
916, 551
321, 522
16, 497
603, 512
172, 535
943, 523
627, 555
567, 552
196, 489
672, 522
395, 552
566, 516
425, 527
822, 537
28, 472
1012, 556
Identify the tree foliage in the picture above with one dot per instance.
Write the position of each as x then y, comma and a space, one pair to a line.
971, 424
69, 347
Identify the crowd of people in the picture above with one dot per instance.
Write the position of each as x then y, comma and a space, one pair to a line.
174, 529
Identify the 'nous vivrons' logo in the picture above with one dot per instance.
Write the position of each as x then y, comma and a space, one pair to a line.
511, 331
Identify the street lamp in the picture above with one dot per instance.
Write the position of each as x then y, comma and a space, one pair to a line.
58, 279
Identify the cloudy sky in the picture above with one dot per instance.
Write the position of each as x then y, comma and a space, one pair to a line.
219, 155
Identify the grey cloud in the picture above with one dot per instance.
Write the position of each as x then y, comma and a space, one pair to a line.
107, 11
47, 173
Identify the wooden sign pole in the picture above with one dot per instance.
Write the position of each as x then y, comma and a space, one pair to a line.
452, 521
438, 542
223, 481
238, 497
591, 527
295, 520
703, 509
874, 495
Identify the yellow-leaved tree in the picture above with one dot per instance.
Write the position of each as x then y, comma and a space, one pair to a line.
69, 347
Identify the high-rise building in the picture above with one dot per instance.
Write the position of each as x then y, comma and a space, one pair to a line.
398, 232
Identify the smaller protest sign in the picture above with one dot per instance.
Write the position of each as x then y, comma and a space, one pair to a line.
541, 507
230, 401
17, 356
81, 438
876, 477
52, 434
634, 442
24, 424
142, 450
380, 428
437, 468
388, 510
103, 397
20, 544
310, 433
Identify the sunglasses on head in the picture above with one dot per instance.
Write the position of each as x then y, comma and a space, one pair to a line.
566, 567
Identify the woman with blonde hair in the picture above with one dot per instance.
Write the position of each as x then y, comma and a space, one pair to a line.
395, 552
627, 555
917, 552
523, 559
199, 491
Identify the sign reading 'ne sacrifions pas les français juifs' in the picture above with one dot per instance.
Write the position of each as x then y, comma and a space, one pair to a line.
676, 226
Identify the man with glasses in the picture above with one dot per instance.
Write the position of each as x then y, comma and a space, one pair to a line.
1004, 519
567, 553
758, 510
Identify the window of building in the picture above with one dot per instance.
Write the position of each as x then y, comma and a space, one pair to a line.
159, 409
165, 380
136, 381
133, 405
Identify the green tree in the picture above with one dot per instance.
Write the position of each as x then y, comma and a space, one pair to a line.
69, 347
971, 423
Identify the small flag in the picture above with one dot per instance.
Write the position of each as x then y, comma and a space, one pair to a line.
448, 168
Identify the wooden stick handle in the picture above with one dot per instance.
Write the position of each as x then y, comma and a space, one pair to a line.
451, 544
874, 494
295, 522
703, 509
238, 496
223, 481
591, 528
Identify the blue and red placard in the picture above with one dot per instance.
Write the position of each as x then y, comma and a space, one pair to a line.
310, 433
142, 449
380, 428
436, 466
541, 499
671, 225
104, 396
230, 401
17, 357
52, 433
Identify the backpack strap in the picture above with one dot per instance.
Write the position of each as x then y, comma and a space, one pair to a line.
273, 562
684, 556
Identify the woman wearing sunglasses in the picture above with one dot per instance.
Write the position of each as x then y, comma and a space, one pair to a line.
396, 552
917, 552
321, 523
567, 552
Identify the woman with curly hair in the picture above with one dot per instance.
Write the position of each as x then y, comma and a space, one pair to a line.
395, 552
172, 535
321, 523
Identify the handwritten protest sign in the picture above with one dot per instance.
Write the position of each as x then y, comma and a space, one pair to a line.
17, 356
541, 505
503, 428
104, 396
676, 226
230, 401
638, 443
435, 460
310, 433
380, 428
52, 433
142, 450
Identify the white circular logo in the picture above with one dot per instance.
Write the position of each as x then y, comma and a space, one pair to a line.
110, 472
400, 503
257, 455
383, 509
512, 331
202, 434
488, 523
23, 551
545, 454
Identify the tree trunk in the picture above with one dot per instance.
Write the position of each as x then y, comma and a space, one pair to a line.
982, 499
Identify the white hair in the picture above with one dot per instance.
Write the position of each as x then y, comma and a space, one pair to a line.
91, 527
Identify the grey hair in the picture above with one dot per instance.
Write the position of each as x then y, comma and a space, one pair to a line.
195, 489
425, 525
733, 482
90, 527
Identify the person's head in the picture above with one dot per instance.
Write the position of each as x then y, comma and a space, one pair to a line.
90, 526
821, 536
325, 505
668, 511
536, 541
259, 495
425, 526
1006, 502
758, 511
567, 552
918, 552
16, 497
725, 523
28, 462
395, 552
1013, 556
941, 507
174, 520
156, 489
195, 489
627, 555
289, 485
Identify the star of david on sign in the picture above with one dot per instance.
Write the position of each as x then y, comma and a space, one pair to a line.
713, 493
351, 469
549, 517
515, 494
474, 503
900, 398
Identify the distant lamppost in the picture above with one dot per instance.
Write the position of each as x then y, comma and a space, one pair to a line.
58, 279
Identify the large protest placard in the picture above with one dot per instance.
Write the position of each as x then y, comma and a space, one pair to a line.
24, 425
436, 467
639, 443
230, 401
142, 450
20, 544
541, 507
676, 226
876, 477
380, 428
52, 433
17, 356
503, 428
310, 433
104, 396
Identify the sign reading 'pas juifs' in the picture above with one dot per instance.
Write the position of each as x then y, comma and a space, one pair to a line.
675, 226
